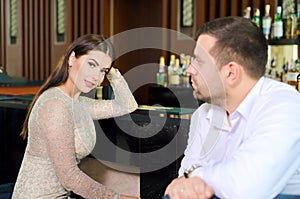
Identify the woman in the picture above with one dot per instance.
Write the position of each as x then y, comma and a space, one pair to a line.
60, 127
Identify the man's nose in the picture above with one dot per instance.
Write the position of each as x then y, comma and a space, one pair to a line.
191, 69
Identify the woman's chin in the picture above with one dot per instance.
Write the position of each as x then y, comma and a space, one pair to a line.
87, 90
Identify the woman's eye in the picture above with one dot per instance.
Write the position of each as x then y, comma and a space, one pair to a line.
104, 70
92, 65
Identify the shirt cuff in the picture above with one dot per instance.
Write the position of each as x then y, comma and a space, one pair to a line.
198, 172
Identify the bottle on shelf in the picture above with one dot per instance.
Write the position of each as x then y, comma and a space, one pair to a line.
161, 76
278, 24
256, 17
284, 71
291, 25
292, 73
298, 82
273, 73
247, 12
266, 22
185, 75
298, 18
175, 73
171, 69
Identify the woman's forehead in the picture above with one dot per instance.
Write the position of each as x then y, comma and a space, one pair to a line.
99, 56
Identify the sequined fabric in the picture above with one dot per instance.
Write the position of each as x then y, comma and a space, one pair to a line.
61, 133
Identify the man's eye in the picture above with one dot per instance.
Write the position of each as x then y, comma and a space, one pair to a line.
199, 61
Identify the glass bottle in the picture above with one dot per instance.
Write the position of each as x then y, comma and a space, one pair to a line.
185, 75
292, 73
266, 22
247, 11
278, 24
161, 76
256, 17
174, 78
171, 69
291, 25
298, 82
298, 18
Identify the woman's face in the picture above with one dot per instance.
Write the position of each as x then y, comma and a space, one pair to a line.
88, 70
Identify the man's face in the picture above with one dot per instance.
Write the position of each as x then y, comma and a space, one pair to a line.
205, 75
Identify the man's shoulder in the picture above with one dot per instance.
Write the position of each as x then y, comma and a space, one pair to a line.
203, 109
278, 90
277, 97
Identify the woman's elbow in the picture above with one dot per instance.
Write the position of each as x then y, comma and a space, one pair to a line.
133, 107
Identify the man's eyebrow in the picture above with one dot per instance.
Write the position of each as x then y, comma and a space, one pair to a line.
95, 61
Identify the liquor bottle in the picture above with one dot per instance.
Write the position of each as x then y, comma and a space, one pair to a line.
266, 22
291, 76
291, 25
298, 82
278, 24
185, 75
298, 18
284, 71
171, 69
247, 11
174, 78
256, 17
161, 76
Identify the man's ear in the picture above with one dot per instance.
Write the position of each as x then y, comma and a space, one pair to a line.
71, 59
232, 73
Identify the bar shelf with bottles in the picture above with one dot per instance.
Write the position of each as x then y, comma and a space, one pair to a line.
173, 86
283, 35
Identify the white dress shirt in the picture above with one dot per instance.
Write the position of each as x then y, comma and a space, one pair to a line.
258, 155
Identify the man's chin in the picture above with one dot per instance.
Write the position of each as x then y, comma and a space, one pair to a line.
200, 97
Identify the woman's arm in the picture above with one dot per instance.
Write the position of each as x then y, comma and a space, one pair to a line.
123, 102
57, 126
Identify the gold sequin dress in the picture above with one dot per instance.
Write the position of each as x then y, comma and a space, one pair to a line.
61, 133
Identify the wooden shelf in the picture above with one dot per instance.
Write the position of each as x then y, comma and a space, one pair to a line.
284, 41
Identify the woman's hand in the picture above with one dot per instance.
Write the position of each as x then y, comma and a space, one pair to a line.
112, 71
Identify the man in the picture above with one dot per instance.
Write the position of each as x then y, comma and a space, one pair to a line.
244, 142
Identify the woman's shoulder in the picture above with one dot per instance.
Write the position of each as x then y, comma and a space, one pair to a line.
53, 96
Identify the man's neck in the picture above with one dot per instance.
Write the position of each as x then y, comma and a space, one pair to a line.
236, 95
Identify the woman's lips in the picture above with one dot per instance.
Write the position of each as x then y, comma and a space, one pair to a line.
89, 83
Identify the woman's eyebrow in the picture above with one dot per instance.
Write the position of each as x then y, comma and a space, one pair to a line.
94, 61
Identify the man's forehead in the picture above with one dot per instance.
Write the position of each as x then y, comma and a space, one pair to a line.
204, 44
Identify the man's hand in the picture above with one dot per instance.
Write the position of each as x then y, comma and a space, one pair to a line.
189, 188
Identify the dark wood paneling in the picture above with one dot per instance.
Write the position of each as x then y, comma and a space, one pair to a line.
38, 52
2, 34
36, 62
213, 9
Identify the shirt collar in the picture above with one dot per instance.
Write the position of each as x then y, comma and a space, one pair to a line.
218, 116
247, 104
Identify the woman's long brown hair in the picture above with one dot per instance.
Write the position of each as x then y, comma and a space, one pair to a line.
81, 46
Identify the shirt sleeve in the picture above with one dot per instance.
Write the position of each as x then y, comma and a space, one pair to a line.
123, 102
57, 126
266, 160
192, 152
